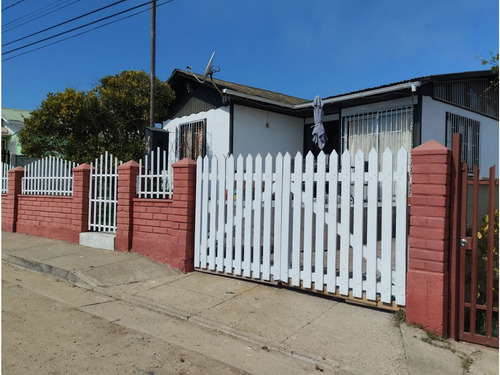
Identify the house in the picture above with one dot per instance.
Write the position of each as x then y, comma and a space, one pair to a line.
12, 124
215, 117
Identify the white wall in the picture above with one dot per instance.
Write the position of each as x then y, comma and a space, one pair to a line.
217, 130
261, 132
434, 128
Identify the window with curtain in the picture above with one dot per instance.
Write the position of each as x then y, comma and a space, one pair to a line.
389, 128
191, 140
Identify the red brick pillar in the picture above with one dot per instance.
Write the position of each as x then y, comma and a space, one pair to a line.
184, 199
127, 181
81, 190
428, 276
9, 206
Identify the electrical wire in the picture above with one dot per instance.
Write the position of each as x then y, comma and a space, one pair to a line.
75, 28
63, 23
13, 5
35, 15
84, 32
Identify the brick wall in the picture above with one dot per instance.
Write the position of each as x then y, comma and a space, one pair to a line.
428, 274
162, 229
56, 217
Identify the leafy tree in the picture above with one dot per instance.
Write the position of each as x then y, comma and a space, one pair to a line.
111, 117
493, 61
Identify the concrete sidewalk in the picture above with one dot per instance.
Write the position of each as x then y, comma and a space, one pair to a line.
339, 337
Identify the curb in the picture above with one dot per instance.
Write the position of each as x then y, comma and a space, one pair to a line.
73, 277
59, 273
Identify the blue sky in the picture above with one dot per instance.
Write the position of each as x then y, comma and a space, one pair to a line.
296, 47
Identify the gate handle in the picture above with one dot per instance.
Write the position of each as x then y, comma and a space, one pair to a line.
463, 242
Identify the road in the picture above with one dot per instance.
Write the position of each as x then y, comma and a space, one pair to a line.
52, 327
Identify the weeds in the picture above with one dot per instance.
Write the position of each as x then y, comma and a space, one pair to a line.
399, 317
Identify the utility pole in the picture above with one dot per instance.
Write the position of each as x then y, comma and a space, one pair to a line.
153, 58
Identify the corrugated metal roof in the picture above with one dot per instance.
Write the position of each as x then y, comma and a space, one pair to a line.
13, 114
437, 77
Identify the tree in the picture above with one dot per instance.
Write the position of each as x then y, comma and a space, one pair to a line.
493, 61
112, 117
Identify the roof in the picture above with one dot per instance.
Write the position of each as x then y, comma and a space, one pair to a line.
244, 89
13, 114
424, 79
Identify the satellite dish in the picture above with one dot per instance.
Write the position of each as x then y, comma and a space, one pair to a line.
208, 69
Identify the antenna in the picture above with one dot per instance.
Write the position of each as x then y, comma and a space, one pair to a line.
208, 69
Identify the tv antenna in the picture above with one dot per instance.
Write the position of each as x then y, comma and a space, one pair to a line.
209, 71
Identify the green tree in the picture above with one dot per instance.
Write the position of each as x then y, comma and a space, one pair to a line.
493, 61
113, 116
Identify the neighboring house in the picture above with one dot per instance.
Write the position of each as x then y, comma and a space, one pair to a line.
12, 124
214, 117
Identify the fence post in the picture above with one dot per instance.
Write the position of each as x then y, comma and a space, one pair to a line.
127, 185
428, 275
81, 185
184, 201
9, 203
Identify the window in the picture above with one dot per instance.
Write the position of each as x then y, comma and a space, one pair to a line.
391, 128
191, 140
477, 95
470, 137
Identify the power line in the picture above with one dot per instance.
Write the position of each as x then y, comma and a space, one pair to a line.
35, 15
86, 31
13, 5
63, 23
75, 28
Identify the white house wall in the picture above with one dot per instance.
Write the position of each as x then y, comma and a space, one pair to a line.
261, 132
217, 130
434, 128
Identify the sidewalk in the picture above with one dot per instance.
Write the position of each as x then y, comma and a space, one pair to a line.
340, 337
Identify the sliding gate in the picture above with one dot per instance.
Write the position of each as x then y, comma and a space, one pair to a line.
306, 224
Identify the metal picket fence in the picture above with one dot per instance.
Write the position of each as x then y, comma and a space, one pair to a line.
103, 193
48, 176
155, 178
5, 177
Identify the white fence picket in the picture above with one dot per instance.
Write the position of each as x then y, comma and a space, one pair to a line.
267, 235
386, 242
257, 205
312, 225
371, 228
320, 220
332, 224
308, 220
230, 188
345, 223
222, 195
401, 227
238, 237
247, 214
297, 220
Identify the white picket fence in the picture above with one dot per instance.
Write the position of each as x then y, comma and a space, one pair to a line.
155, 178
48, 176
314, 227
5, 177
103, 194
